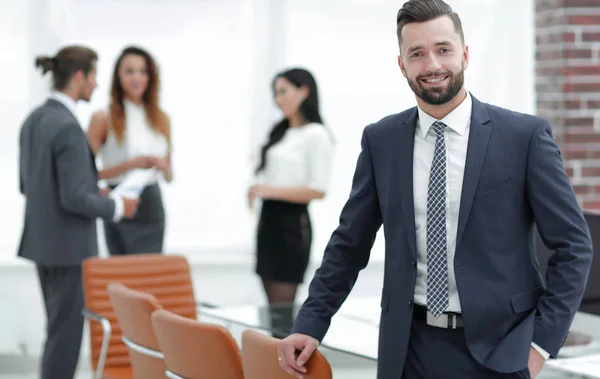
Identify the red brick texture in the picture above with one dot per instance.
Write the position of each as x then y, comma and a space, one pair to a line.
568, 87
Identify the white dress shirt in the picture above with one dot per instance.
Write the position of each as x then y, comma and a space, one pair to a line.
456, 136
69, 102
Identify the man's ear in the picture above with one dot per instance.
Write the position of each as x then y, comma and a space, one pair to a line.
78, 77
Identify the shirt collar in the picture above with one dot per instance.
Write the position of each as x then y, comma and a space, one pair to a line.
457, 120
64, 99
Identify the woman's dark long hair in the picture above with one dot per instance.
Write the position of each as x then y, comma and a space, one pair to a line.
309, 108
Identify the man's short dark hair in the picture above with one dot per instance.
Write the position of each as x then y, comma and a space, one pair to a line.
425, 10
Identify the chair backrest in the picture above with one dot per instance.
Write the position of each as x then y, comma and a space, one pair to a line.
134, 310
259, 357
167, 277
195, 349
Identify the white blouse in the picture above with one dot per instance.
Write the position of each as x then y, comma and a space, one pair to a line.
139, 140
303, 158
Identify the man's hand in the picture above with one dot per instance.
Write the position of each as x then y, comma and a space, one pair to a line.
104, 191
536, 362
286, 351
130, 207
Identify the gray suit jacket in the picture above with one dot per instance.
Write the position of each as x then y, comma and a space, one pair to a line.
59, 180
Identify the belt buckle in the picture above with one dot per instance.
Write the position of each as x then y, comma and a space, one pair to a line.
442, 321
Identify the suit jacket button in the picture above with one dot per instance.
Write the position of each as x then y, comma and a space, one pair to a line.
414, 264
410, 303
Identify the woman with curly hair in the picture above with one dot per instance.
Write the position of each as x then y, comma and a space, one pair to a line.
134, 133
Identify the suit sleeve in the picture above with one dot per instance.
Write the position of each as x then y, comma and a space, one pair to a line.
346, 253
563, 229
70, 152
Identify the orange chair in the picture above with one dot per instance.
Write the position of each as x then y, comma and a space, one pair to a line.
259, 357
167, 277
195, 349
133, 310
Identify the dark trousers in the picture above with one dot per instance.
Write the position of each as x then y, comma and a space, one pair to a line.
437, 353
63, 299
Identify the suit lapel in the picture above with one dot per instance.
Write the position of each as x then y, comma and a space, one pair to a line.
476, 150
404, 142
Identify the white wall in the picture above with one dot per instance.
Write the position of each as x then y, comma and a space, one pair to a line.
14, 74
206, 91
217, 59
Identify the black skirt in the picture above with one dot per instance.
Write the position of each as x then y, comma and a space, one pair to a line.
144, 233
283, 241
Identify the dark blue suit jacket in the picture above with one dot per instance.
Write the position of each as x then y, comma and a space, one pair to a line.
514, 178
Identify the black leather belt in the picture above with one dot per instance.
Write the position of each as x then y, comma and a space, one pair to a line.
446, 320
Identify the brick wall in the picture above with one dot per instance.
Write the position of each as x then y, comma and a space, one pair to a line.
568, 87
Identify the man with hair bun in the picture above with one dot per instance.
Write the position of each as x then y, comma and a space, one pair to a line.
58, 178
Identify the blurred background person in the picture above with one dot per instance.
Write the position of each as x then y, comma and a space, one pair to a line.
294, 169
59, 180
134, 133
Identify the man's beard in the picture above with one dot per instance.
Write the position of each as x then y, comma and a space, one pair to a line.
83, 96
439, 95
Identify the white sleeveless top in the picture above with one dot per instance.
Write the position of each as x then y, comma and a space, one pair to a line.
139, 139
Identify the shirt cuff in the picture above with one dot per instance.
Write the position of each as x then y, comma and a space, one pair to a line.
543, 352
119, 207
